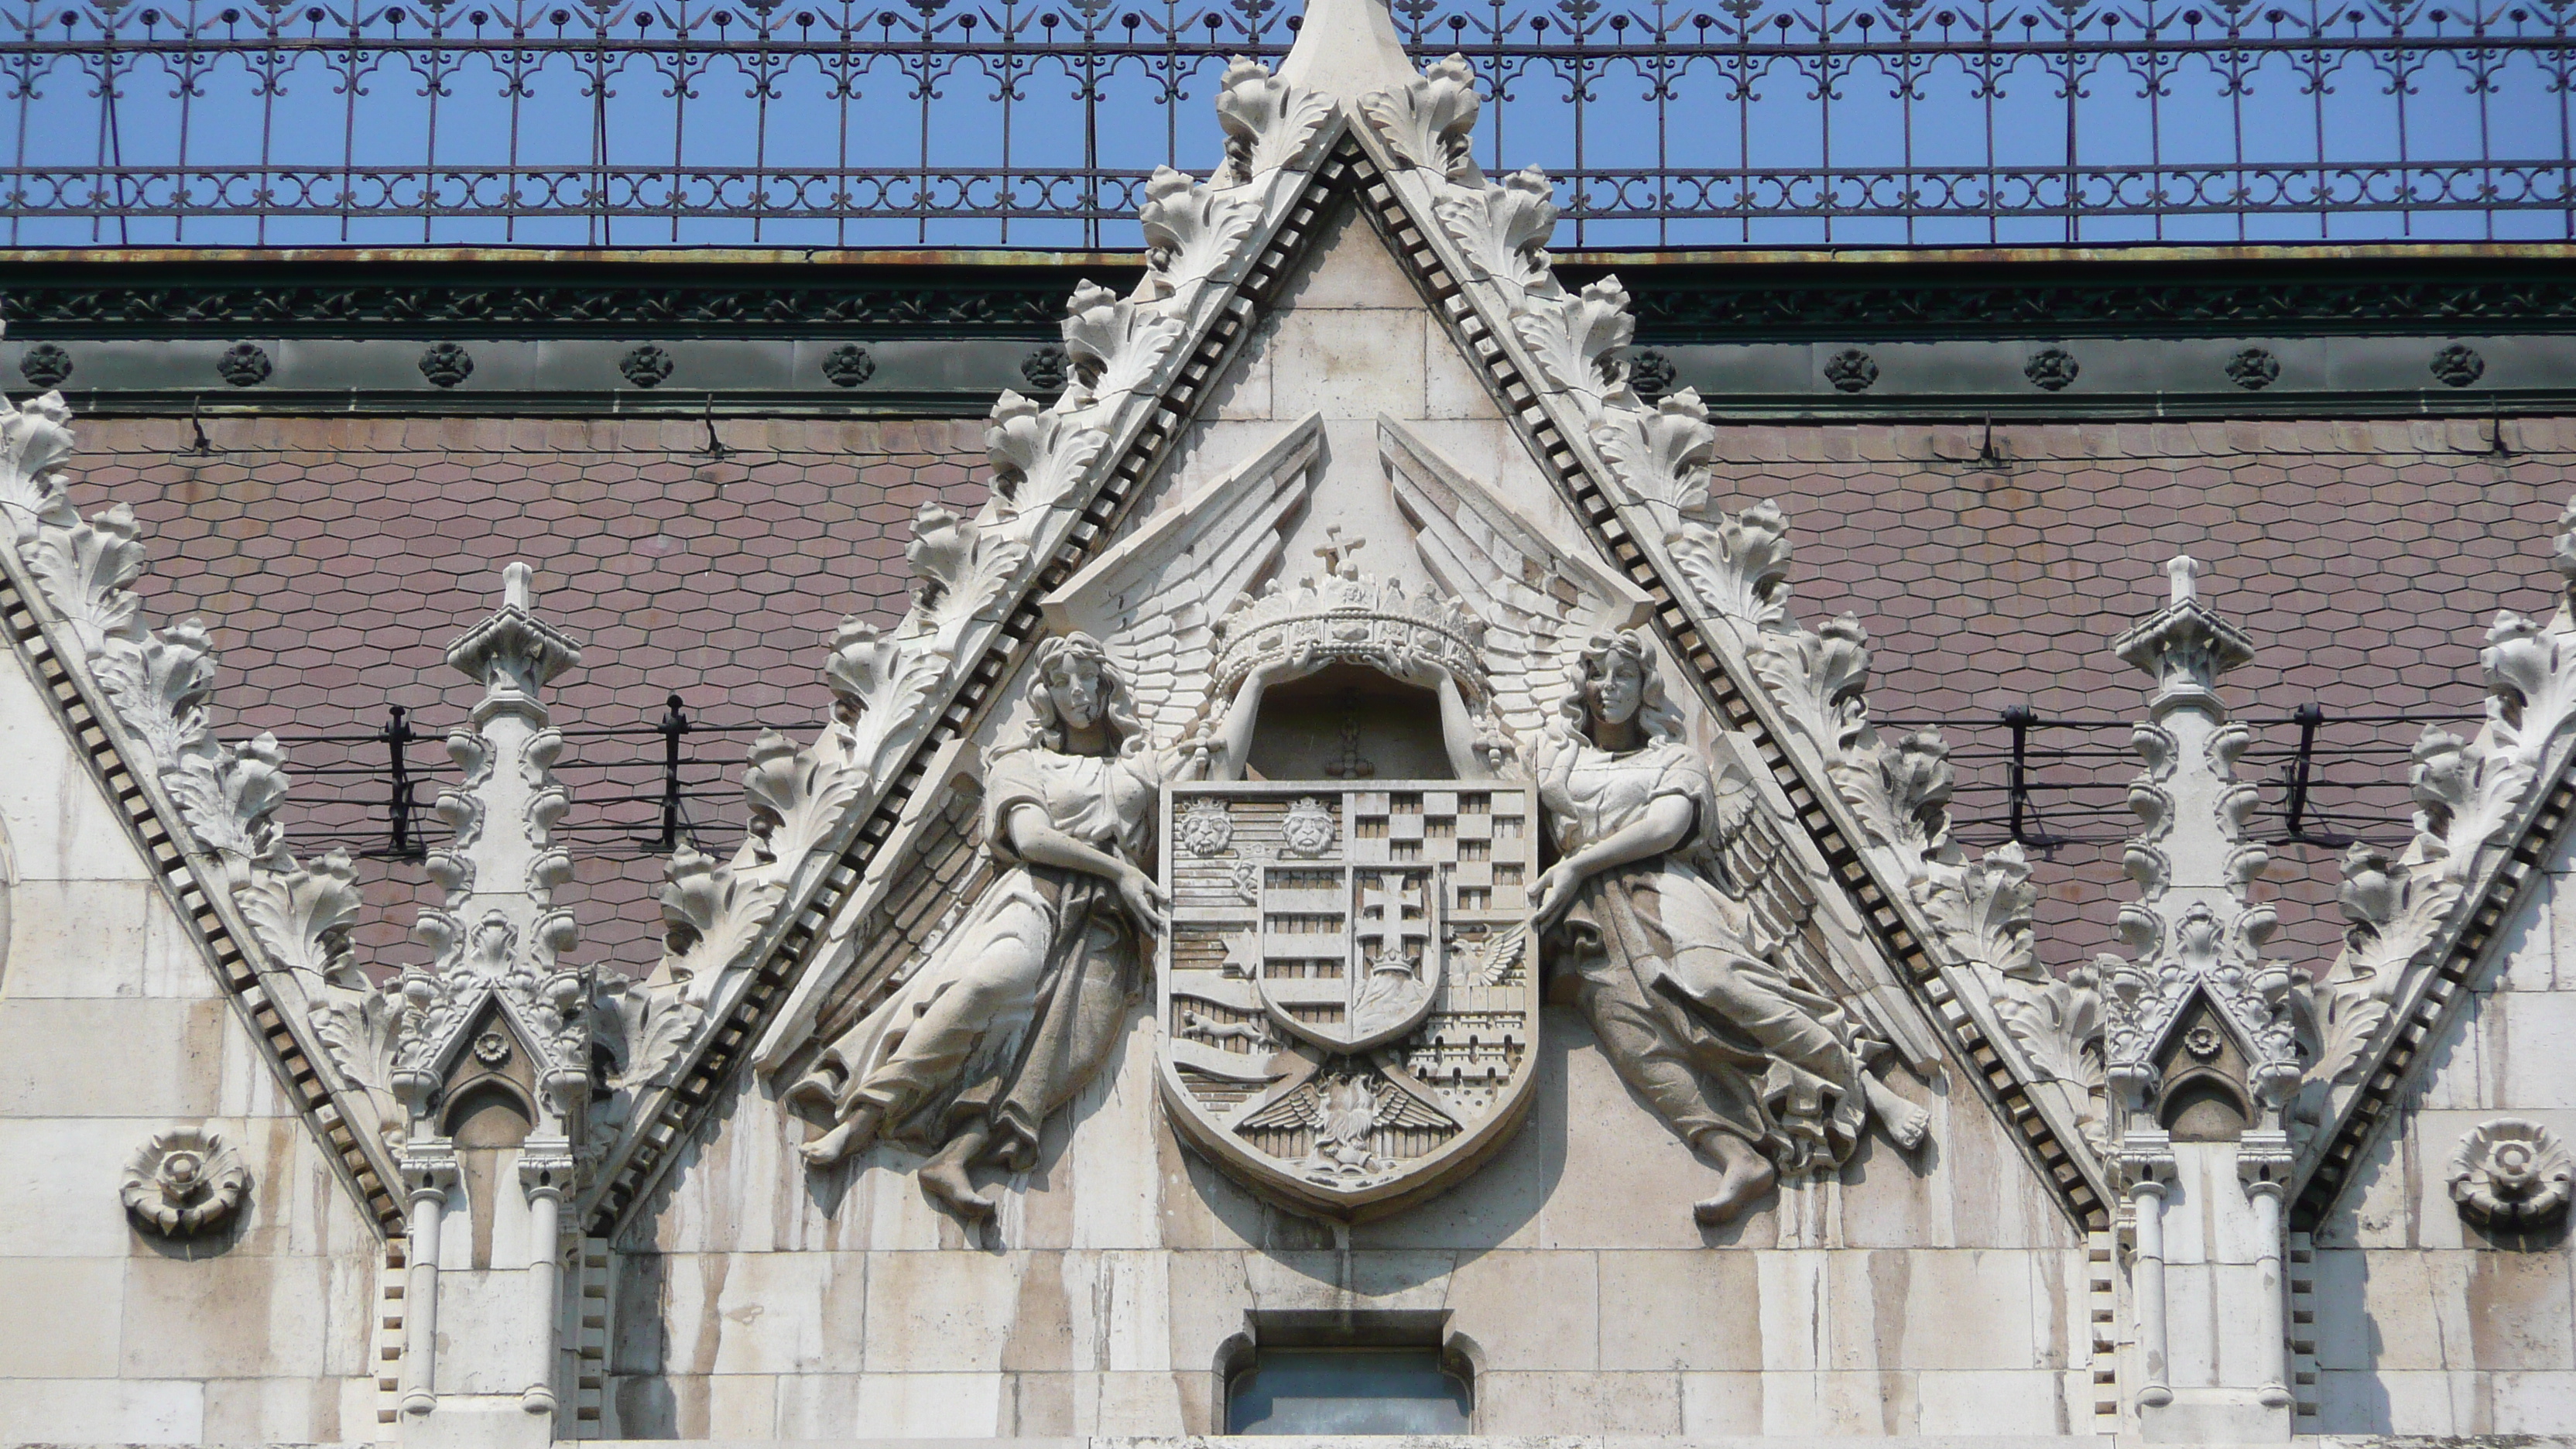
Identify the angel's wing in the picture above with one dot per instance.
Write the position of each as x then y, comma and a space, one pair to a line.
1814, 935
1154, 600
1536, 597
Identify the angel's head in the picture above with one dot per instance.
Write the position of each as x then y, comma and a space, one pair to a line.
1612, 684
1074, 689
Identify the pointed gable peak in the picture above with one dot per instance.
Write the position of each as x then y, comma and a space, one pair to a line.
1347, 49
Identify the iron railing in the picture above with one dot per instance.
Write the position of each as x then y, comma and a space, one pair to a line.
1035, 122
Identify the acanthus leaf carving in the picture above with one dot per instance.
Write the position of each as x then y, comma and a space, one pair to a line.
1116, 343
1986, 909
1662, 453
1580, 342
1192, 230
230, 800
1037, 458
797, 794
1502, 229
303, 915
1739, 568
86, 568
1902, 792
160, 688
1428, 121
1268, 123
35, 441
961, 571
711, 915
1818, 677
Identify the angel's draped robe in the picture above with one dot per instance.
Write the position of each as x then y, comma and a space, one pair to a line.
1018, 1007
1691, 1014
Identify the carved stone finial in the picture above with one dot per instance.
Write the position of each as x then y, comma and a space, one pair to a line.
513, 654
2185, 645
2184, 571
184, 1182
2511, 1173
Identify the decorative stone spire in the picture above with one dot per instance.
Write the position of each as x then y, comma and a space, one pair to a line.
498, 933
1347, 49
2196, 932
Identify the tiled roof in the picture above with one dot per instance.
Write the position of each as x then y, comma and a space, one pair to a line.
335, 558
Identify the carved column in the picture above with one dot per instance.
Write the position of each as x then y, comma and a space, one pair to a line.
545, 1177
428, 1174
2146, 1166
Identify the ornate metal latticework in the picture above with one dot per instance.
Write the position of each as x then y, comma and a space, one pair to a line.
1027, 122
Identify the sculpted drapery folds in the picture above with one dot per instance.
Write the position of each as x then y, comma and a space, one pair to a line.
1758, 1069
1020, 1004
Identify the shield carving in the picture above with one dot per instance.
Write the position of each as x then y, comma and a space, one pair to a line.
1348, 996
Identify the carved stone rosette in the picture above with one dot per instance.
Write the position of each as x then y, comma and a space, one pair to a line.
2511, 1173
184, 1182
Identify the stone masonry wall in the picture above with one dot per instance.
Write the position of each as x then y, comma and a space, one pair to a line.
111, 1031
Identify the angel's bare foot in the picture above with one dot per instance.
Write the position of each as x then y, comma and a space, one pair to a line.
1745, 1174
944, 1181
851, 1136
1904, 1122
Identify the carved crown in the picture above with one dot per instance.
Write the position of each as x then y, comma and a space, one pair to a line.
1348, 616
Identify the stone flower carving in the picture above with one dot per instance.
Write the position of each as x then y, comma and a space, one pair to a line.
2511, 1173
1268, 123
184, 1182
1428, 123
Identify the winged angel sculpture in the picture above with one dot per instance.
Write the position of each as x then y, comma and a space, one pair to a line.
1667, 903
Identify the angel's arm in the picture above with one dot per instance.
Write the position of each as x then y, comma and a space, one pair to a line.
1665, 824
1036, 841
1458, 732
1230, 745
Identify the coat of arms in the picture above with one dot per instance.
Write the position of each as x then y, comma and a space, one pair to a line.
1350, 1023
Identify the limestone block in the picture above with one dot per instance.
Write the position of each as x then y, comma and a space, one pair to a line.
1350, 364
103, 1411
928, 1312
1453, 386
1838, 1403
2528, 949
2537, 1072
1716, 1405
1113, 1403
1956, 1309
1628, 1181
752, 1313
1529, 1311
57, 1185
2399, 1402
487, 1332
59, 823
1574, 1403
923, 1406
1209, 1295
2343, 1338
2519, 1309
1349, 267
230, 1316
1109, 1166
283, 1410
2378, 1208
111, 1058
1679, 1311
1817, 1312
2530, 1403
1056, 1327
2416, 1305
62, 1317
1950, 1402
83, 938
741, 1406
1244, 390
2458, 1073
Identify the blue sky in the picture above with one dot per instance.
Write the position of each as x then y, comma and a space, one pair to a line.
2276, 117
